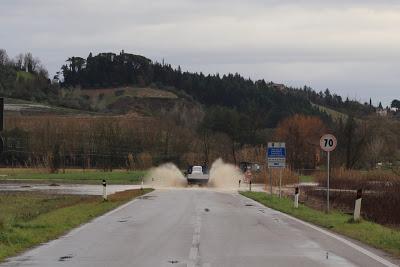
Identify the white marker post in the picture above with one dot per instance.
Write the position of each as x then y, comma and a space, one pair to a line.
296, 197
328, 143
104, 190
357, 206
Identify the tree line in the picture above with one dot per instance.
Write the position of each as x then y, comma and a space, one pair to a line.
25, 77
258, 101
235, 113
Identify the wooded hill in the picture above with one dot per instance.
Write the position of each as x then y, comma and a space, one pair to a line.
152, 111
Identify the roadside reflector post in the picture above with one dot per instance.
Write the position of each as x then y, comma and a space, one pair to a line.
141, 187
357, 206
104, 190
296, 197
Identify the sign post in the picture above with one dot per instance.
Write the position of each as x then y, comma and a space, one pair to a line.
328, 143
276, 156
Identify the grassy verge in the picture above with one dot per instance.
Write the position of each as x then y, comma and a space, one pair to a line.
28, 219
369, 233
306, 178
73, 176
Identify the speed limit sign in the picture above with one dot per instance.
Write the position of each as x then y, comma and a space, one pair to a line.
328, 142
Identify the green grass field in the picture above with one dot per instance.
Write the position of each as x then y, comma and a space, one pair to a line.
336, 115
370, 233
23, 75
72, 176
29, 218
306, 178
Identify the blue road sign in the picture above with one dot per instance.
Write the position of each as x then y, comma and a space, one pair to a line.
276, 152
276, 155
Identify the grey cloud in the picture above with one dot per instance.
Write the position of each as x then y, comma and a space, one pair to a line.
276, 40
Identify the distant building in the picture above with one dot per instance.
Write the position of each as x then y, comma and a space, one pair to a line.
382, 112
278, 86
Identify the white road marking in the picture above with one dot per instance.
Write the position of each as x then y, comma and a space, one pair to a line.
193, 253
194, 250
345, 241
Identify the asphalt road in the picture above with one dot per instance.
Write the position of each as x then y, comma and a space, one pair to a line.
197, 227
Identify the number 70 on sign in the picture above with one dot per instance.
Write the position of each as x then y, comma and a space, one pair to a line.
328, 142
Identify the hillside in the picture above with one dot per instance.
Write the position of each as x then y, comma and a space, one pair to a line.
123, 98
124, 110
20, 107
335, 115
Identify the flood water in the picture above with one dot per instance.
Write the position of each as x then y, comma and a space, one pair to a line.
73, 189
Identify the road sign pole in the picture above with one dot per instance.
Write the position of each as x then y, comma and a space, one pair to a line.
270, 181
328, 143
280, 183
327, 185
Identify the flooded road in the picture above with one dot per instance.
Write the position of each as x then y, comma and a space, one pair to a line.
73, 189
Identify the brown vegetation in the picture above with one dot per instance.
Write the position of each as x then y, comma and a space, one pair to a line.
288, 177
381, 193
107, 142
301, 134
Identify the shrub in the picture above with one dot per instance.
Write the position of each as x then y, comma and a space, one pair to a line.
119, 92
381, 193
288, 177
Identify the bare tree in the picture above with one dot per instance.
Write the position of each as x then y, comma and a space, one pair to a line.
375, 149
3, 57
19, 61
31, 64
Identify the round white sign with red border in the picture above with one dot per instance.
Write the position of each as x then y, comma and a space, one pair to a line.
328, 142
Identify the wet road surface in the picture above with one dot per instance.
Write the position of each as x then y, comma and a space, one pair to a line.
198, 227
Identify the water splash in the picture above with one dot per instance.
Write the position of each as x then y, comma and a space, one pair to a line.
224, 175
165, 175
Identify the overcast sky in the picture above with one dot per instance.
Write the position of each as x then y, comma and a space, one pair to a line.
351, 47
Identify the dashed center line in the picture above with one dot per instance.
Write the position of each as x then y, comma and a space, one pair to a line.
194, 250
